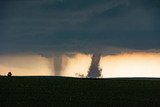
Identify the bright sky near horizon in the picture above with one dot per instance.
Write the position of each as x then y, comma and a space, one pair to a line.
58, 37
138, 64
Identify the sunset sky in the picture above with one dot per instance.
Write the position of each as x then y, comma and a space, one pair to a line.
58, 37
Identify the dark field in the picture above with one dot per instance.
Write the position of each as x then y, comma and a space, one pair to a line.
60, 91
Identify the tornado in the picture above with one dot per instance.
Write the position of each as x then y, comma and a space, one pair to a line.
57, 64
94, 69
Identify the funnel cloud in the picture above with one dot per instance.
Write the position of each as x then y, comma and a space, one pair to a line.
58, 64
57, 29
94, 70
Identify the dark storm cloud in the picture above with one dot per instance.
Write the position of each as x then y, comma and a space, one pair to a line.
78, 25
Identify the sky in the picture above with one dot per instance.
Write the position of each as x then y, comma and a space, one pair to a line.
52, 28
78, 25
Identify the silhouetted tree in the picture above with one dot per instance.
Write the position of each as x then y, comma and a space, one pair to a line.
9, 74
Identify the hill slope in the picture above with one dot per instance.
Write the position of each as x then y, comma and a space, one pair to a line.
61, 91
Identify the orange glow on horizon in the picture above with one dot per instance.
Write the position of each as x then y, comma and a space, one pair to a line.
137, 64
78, 64
25, 65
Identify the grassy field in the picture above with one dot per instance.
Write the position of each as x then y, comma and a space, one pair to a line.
61, 91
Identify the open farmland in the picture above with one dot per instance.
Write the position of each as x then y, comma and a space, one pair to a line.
78, 92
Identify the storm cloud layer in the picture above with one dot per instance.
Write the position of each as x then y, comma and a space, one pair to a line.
78, 25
